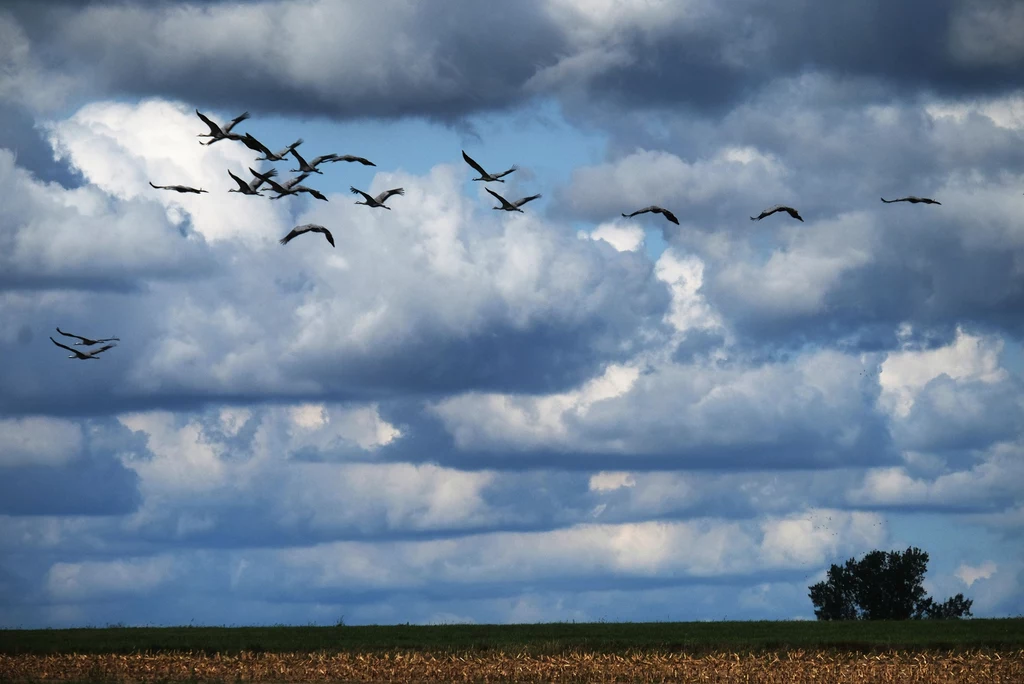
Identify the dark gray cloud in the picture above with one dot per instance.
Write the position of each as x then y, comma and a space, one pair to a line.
93, 485
478, 58
19, 134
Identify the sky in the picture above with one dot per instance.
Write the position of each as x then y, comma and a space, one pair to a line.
461, 415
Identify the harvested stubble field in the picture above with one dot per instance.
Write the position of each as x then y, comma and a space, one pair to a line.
949, 651
794, 666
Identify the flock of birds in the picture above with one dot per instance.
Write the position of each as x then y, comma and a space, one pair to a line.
293, 186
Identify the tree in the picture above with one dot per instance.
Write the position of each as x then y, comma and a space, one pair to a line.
882, 586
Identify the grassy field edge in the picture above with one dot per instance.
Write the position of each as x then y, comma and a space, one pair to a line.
545, 638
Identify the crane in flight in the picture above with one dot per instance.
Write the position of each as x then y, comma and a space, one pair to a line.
252, 187
83, 356
86, 341
912, 199
178, 188
307, 228
379, 200
216, 132
484, 176
511, 206
656, 210
778, 207
256, 146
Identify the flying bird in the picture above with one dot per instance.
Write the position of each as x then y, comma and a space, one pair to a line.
218, 133
778, 207
912, 200
178, 188
484, 176
256, 146
296, 189
307, 228
511, 206
87, 341
84, 356
657, 210
252, 187
275, 186
310, 167
379, 200
289, 187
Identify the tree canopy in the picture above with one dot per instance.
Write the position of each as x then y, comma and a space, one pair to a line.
882, 586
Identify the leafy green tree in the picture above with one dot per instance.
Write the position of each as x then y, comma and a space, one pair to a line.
882, 586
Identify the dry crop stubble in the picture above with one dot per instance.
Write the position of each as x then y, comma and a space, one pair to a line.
932, 667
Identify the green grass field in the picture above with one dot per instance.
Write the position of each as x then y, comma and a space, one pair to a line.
550, 638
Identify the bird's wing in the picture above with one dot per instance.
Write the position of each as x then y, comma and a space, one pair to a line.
242, 185
505, 173
266, 178
469, 160
523, 201
291, 182
289, 148
504, 202
258, 181
324, 158
298, 230
214, 128
382, 197
238, 119
102, 349
63, 346
255, 145
71, 335
327, 234
352, 158
159, 187
356, 191
298, 157
670, 216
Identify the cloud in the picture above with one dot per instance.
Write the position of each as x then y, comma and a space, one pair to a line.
462, 415
622, 238
991, 482
703, 415
38, 441
482, 297
100, 579
57, 238
60, 467
969, 575
856, 269
697, 55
